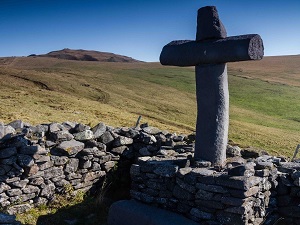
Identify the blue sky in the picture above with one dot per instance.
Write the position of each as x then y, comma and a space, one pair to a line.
139, 28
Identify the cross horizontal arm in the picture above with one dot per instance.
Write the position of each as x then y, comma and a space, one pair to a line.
230, 49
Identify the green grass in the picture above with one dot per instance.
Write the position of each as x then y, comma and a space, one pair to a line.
264, 102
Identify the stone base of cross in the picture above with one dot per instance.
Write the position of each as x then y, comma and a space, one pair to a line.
210, 53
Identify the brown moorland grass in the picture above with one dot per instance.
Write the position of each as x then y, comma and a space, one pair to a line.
264, 96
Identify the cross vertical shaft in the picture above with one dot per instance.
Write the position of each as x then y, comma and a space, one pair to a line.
212, 94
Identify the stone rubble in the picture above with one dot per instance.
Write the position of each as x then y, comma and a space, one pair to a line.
38, 162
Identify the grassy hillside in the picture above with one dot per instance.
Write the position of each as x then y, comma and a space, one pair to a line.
264, 96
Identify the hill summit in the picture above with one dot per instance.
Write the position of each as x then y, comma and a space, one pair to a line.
87, 55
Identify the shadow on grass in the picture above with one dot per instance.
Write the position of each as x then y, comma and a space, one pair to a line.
88, 212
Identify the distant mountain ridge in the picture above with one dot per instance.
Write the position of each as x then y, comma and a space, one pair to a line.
87, 55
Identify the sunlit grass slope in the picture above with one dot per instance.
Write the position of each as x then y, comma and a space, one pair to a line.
264, 96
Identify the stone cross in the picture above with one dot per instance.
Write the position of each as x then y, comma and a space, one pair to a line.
210, 53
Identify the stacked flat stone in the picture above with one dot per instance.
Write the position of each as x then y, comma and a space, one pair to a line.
237, 195
288, 192
37, 162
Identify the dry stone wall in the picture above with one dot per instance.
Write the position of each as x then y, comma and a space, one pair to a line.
38, 162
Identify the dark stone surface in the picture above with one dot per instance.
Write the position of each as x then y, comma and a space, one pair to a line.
213, 113
209, 26
192, 53
135, 213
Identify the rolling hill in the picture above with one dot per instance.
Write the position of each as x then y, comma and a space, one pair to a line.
85, 55
264, 96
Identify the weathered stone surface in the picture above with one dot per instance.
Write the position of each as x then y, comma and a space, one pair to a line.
20, 183
7, 152
106, 138
181, 193
184, 171
212, 188
200, 214
59, 160
202, 172
233, 151
99, 129
80, 127
119, 150
9, 161
84, 135
238, 182
166, 170
121, 140
109, 165
48, 191
63, 135
151, 130
18, 209
13, 192
71, 147
33, 150
25, 160
4, 187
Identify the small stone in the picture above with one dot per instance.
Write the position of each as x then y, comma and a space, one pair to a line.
19, 209
184, 171
233, 151
55, 127
30, 189
106, 138
165, 170
119, 150
109, 165
80, 127
202, 172
25, 160
7, 152
37, 181
48, 191
59, 160
166, 152
4, 187
63, 135
20, 184
99, 129
69, 125
85, 164
241, 170
84, 135
71, 147
151, 130
13, 192
17, 124
121, 140
148, 138
202, 163
212, 188
200, 214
